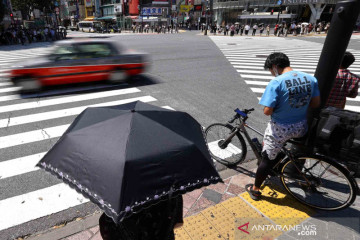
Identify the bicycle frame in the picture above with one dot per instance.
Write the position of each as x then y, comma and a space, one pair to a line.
241, 127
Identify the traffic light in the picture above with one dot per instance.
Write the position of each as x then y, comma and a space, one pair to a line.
272, 12
11, 15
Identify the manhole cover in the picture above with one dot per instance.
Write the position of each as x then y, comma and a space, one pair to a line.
261, 56
231, 44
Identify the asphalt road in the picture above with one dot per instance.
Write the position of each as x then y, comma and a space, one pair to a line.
188, 73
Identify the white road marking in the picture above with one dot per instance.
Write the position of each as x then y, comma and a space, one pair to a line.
19, 166
65, 112
77, 98
32, 136
257, 83
40, 203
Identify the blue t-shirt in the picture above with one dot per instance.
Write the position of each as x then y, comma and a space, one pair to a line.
290, 94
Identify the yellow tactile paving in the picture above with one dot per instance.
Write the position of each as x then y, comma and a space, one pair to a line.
239, 208
221, 219
199, 228
181, 234
279, 207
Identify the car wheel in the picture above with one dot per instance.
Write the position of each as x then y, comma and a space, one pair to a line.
117, 76
29, 84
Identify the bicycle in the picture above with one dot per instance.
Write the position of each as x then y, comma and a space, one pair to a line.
313, 179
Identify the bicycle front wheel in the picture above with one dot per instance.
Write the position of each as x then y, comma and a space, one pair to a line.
229, 154
322, 183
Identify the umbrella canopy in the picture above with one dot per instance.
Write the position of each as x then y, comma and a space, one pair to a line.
127, 157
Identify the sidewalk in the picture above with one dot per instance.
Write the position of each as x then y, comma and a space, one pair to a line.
225, 211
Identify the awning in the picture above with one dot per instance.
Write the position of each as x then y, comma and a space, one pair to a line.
106, 18
275, 16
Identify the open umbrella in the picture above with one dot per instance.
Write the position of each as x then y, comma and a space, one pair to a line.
125, 158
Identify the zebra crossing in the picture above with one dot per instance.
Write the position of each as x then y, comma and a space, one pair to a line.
247, 55
32, 123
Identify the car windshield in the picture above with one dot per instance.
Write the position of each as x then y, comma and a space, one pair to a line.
94, 50
64, 53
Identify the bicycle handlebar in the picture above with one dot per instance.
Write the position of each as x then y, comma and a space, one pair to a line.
242, 113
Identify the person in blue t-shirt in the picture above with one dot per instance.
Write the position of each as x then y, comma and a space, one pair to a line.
286, 99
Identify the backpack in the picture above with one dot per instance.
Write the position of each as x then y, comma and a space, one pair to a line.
338, 135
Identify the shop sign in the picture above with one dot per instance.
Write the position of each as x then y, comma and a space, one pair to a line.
152, 11
198, 8
185, 8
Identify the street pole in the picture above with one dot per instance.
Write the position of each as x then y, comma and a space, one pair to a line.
336, 42
206, 15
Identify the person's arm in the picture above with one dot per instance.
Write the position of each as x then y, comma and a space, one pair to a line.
269, 97
268, 111
315, 102
354, 91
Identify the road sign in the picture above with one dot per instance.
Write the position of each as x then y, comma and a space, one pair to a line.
279, 2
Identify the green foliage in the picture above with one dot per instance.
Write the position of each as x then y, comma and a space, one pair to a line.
2, 11
27, 6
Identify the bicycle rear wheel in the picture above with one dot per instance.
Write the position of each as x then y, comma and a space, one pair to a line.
231, 154
329, 185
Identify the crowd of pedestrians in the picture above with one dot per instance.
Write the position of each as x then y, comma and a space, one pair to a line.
280, 29
20, 35
157, 28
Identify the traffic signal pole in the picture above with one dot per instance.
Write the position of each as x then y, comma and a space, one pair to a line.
336, 42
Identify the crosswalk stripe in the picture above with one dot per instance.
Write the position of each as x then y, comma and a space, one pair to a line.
11, 89
65, 112
352, 108
257, 83
40, 203
57, 92
71, 99
32, 136
257, 76
5, 84
19, 166
258, 90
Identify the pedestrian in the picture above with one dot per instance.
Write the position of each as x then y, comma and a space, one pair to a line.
247, 28
327, 27
227, 29
154, 223
346, 84
232, 30
242, 29
261, 29
287, 105
276, 29
255, 27
237, 29
268, 30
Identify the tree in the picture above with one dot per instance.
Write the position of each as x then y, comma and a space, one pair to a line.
2, 11
27, 6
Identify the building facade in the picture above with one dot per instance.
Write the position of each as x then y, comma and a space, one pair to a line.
271, 11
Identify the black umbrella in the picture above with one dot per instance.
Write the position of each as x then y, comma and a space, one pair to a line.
125, 158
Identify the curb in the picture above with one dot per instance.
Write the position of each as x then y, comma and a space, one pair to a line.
69, 229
